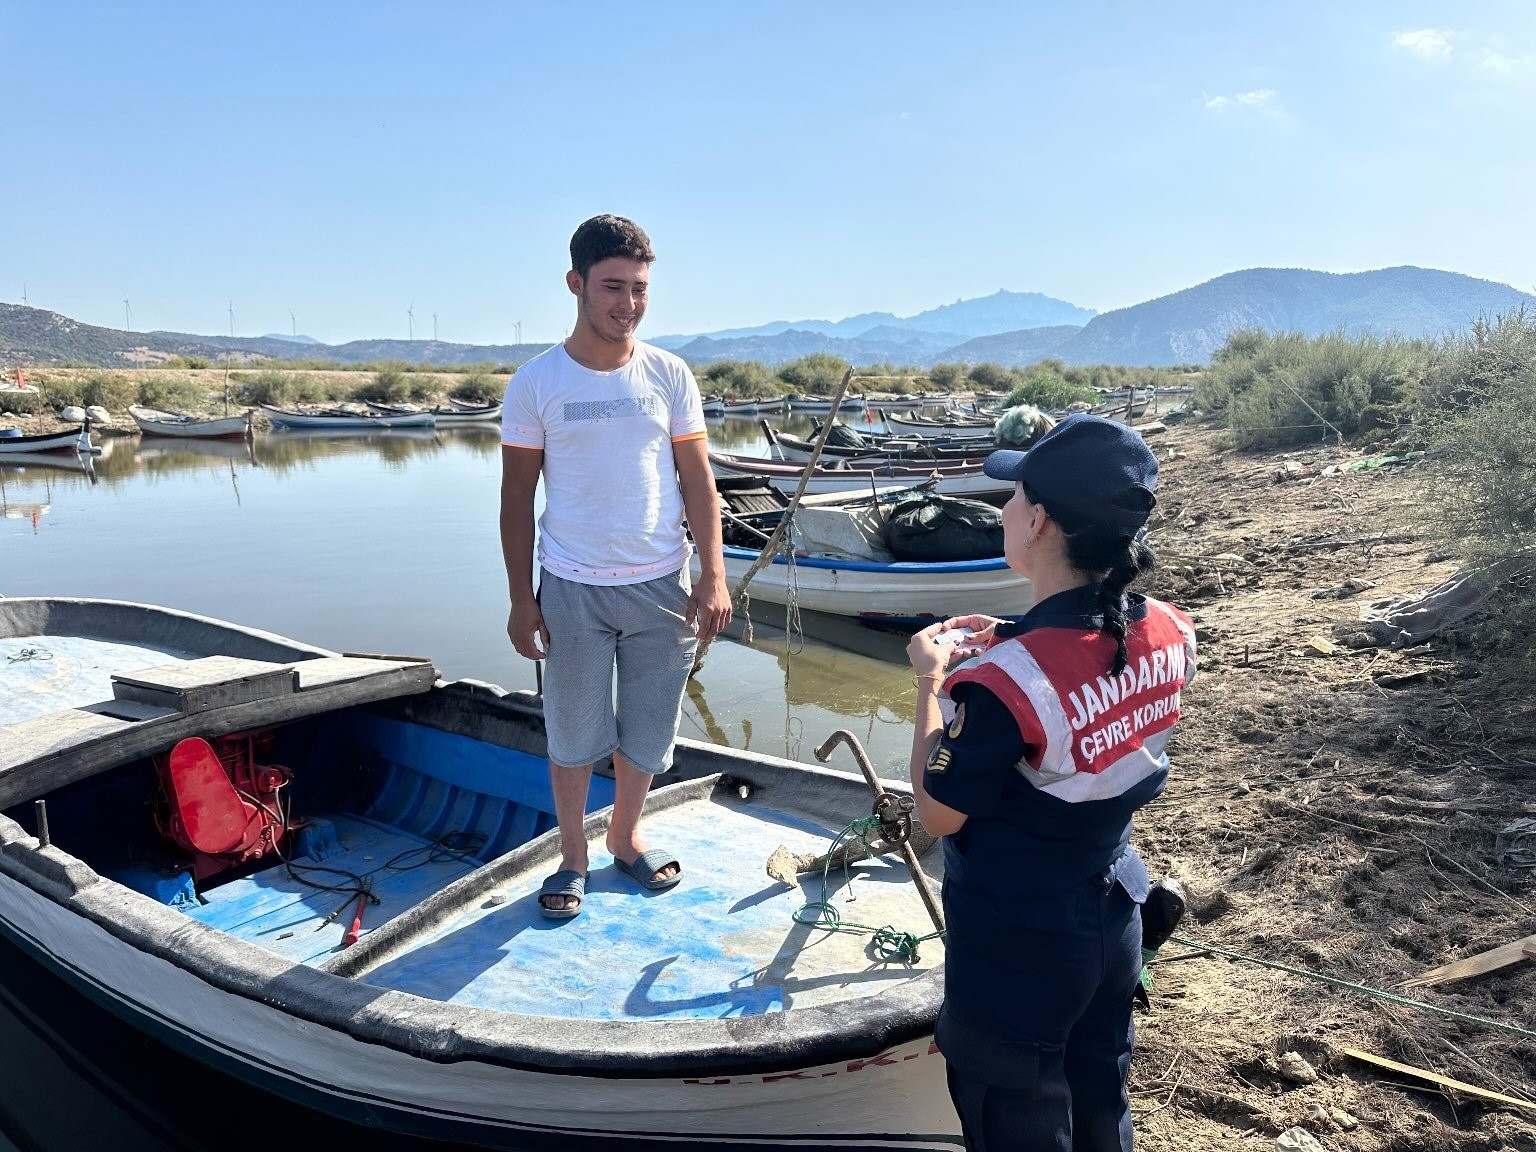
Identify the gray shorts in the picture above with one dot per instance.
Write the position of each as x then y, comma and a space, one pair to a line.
640, 628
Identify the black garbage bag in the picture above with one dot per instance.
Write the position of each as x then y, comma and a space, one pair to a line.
936, 529
846, 437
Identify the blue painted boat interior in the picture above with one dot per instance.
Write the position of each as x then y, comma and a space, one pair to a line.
994, 564
412, 808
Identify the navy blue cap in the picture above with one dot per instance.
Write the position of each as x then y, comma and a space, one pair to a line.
1087, 470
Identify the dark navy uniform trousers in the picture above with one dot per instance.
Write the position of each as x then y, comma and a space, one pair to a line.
1036, 1025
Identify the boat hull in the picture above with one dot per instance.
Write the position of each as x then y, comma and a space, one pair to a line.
163, 424
786, 477
360, 1055
282, 418
75, 440
316, 1069
891, 594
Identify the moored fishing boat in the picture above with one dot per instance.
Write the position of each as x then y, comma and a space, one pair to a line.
446, 416
153, 422
343, 418
787, 446
898, 595
958, 427
814, 405
952, 479
70, 440
221, 805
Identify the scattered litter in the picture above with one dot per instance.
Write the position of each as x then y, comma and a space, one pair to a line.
29, 654
1343, 1119
1294, 470
1152, 429
1515, 846
1411, 620
1298, 1140
1320, 647
1293, 1066
1353, 586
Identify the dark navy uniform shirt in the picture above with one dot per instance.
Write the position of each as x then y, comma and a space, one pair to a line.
1016, 872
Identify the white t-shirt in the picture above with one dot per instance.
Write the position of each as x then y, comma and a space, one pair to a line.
613, 510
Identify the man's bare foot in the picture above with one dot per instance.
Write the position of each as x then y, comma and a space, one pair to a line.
627, 850
557, 903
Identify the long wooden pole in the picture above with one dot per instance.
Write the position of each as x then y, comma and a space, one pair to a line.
771, 547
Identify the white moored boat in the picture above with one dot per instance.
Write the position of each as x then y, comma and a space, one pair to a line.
897, 594
70, 440
311, 881
960, 429
951, 479
342, 418
153, 422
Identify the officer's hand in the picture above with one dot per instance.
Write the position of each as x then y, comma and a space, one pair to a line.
524, 624
928, 658
981, 628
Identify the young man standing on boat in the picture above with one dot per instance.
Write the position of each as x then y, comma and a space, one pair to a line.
616, 428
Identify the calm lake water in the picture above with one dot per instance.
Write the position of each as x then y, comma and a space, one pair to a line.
387, 543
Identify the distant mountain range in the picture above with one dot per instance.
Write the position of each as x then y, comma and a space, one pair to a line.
1011, 328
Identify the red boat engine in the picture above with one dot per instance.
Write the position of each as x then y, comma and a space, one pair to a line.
220, 805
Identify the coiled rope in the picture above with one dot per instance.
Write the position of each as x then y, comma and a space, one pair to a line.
889, 943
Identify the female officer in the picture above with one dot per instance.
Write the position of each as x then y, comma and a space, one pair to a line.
1057, 736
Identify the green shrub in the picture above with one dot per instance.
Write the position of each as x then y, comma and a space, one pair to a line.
948, 377
1477, 411
989, 377
388, 386
187, 362
112, 392
478, 388
170, 393
266, 387
420, 387
1286, 388
746, 379
1040, 386
819, 373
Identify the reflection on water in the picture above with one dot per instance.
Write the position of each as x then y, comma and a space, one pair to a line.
386, 541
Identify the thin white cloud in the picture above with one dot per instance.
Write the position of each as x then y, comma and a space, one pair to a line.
1255, 98
1498, 64
1425, 43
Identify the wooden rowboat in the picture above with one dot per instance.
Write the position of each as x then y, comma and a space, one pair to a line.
952, 479
702, 1017
153, 422
341, 418
70, 440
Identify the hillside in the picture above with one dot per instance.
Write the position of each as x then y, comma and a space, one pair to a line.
1187, 326
1023, 347
36, 336
1012, 328
875, 337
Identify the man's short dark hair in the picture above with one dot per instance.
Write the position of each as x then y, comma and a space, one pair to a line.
606, 236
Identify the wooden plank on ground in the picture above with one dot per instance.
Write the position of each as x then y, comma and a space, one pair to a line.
1483, 962
1436, 1078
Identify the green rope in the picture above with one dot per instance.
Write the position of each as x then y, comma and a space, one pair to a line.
889, 943
1382, 994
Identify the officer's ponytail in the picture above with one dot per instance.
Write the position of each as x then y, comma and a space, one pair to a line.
1113, 560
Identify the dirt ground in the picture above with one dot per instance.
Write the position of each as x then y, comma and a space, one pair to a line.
1332, 812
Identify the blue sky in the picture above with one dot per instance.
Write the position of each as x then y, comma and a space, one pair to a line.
350, 161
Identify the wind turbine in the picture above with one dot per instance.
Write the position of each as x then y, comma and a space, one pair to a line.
410, 321
231, 317
292, 319
127, 315
434, 327
517, 326
25, 303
